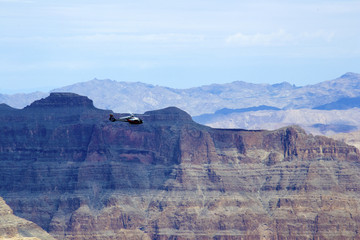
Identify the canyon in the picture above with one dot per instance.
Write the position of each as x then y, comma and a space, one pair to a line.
65, 167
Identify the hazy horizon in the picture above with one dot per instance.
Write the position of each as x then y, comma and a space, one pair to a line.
49, 89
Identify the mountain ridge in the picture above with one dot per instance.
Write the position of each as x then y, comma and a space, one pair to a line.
317, 122
341, 104
141, 97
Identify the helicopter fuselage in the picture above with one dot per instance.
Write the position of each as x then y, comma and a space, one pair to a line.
130, 119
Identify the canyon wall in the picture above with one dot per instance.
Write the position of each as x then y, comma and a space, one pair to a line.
65, 167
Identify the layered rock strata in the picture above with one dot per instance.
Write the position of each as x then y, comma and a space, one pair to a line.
15, 228
64, 166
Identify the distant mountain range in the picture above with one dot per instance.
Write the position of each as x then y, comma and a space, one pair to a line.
204, 118
341, 104
140, 97
318, 122
238, 104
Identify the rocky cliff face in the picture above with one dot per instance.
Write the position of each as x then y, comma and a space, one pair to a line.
15, 228
64, 166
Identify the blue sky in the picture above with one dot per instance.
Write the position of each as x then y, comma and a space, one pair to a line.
180, 44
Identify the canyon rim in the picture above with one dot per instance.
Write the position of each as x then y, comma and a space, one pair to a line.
68, 169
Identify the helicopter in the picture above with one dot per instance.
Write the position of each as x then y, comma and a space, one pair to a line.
130, 119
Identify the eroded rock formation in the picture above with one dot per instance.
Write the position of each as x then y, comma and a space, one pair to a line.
64, 166
15, 228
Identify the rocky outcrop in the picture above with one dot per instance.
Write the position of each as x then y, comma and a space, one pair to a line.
64, 166
59, 100
15, 228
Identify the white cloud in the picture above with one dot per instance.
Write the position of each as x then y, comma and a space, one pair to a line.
278, 38
260, 39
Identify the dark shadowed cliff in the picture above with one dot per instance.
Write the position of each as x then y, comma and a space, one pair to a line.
64, 166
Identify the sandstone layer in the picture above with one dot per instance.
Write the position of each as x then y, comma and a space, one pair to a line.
15, 228
64, 166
